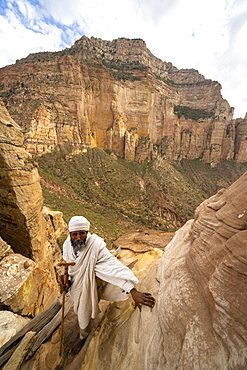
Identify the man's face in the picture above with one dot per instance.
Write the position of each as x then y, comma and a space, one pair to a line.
78, 237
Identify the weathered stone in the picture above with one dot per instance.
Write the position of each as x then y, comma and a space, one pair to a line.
26, 288
118, 96
5, 249
55, 227
144, 240
241, 139
199, 320
199, 282
30, 286
22, 223
10, 324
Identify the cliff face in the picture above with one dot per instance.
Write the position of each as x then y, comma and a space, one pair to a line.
28, 283
118, 96
199, 283
22, 224
199, 320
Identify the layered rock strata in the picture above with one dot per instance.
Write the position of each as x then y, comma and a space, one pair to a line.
118, 96
21, 220
199, 321
26, 266
27, 288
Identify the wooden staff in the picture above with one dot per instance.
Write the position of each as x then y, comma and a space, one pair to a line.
64, 279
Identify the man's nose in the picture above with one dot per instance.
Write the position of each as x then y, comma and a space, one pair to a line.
78, 237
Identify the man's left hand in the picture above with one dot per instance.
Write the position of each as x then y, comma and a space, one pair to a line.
140, 299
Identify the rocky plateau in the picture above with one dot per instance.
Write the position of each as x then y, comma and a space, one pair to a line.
118, 96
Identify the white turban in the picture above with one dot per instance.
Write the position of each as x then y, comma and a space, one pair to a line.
77, 223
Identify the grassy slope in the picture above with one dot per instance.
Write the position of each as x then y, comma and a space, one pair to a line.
117, 196
210, 179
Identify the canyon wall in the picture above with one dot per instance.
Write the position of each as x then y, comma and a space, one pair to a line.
199, 320
28, 249
118, 96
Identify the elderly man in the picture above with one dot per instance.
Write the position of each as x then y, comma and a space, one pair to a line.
96, 275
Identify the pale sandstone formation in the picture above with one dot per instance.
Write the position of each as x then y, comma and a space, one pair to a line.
133, 244
26, 289
199, 282
55, 227
241, 139
21, 201
118, 96
199, 321
22, 227
10, 324
5, 249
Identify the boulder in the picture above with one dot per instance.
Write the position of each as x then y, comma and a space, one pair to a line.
10, 324
136, 242
5, 249
26, 288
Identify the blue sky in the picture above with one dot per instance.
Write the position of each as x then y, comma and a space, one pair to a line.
209, 36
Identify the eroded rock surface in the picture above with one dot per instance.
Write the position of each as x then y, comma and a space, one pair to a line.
199, 321
133, 244
28, 241
118, 96
10, 324
26, 288
5, 249
21, 220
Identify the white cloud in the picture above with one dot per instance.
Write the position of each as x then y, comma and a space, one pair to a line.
206, 35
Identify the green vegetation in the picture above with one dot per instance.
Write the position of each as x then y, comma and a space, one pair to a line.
211, 179
125, 66
116, 195
124, 71
121, 75
166, 80
190, 113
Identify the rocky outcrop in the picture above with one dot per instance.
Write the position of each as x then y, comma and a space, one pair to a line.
199, 283
55, 227
241, 139
118, 96
133, 244
27, 243
21, 220
10, 324
26, 289
5, 249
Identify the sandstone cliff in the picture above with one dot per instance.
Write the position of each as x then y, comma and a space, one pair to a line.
118, 96
199, 321
26, 265
199, 282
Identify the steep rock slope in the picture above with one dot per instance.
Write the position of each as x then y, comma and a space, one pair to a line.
28, 283
21, 219
199, 321
118, 96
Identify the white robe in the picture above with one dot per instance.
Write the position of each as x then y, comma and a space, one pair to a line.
95, 260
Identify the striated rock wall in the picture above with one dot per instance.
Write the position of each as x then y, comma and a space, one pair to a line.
241, 139
21, 221
199, 320
118, 96
25, 289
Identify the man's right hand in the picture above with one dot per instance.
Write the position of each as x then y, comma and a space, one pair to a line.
140, 299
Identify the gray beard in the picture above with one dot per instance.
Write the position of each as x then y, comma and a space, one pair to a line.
77, 246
